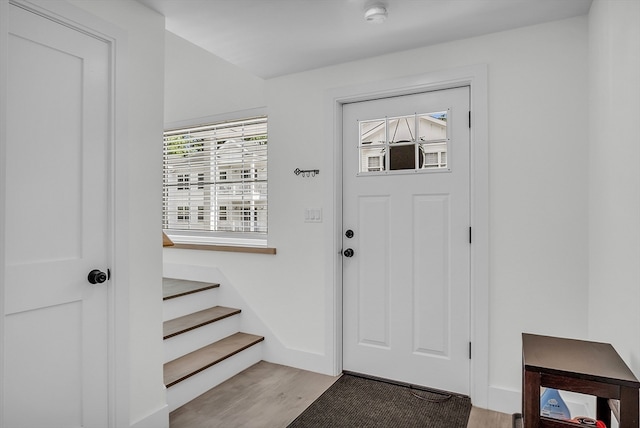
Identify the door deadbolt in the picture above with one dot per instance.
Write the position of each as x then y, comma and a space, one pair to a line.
349, 233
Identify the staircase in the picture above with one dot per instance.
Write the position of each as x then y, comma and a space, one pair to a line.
203, 344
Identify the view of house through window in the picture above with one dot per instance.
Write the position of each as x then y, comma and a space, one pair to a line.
416, 142
215, 180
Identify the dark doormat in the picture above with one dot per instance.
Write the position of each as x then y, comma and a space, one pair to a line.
354, 401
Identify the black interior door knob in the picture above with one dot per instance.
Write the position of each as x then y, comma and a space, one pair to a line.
97, 277
348, 252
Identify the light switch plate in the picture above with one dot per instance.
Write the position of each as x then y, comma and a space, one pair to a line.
313, 215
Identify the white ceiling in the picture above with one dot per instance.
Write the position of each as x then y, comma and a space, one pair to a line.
271, 38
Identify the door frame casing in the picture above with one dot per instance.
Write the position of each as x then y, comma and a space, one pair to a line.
476, 78
118, 292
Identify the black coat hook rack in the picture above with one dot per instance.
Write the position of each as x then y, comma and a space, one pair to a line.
306, 172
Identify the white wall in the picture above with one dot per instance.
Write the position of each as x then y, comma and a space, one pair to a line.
198, 84
614, 176
145, 45
538, 190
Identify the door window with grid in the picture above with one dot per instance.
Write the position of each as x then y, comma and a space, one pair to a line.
415, 143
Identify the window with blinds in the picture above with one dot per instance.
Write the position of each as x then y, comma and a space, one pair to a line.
215, 180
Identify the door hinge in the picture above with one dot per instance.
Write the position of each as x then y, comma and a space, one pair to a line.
469, 234
469, 119
469, 350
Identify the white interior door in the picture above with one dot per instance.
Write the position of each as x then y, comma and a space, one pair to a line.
57, 225
406, 266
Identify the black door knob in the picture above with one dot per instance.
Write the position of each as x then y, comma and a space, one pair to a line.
348, 252
97, 277
349, 233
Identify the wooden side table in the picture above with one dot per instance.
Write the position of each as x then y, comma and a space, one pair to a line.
591, 368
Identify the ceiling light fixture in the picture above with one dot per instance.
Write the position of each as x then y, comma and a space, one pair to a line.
376, 14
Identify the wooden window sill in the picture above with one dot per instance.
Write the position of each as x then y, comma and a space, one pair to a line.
228, 248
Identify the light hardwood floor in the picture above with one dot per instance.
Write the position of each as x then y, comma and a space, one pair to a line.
271, 396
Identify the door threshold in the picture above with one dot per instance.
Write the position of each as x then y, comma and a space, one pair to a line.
404, 384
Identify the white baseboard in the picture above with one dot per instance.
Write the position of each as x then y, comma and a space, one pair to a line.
157, 419
275, 352
506, 400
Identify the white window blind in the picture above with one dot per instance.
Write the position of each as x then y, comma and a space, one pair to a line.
215, 179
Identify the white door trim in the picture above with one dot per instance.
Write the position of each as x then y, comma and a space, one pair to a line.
476, 78
118, 305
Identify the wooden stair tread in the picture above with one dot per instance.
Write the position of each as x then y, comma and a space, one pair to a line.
192, 321
188, 365
172, 288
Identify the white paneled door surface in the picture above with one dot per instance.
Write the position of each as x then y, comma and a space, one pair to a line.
406, 249
57, 225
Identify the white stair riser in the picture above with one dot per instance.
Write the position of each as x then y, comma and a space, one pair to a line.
200, 337
185, 305
200, 383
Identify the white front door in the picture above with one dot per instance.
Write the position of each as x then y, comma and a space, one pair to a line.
57, 225
406, 252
